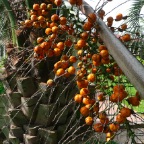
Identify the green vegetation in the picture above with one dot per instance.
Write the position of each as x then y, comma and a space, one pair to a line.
140, 59
1, 88
1, 66
139, 109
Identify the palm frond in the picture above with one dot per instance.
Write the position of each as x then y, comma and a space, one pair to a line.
134, 14
134, 22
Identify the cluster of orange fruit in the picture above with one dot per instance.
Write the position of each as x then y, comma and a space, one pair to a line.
60, 37
90, 109
49, 45
119, 94
123, 27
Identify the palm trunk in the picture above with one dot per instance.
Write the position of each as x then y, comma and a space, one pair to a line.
33, 112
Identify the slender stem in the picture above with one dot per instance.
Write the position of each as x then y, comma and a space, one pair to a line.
12, 21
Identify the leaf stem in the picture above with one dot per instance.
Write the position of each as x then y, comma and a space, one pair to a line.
12, 21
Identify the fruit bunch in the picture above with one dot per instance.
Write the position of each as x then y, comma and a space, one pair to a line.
81, 53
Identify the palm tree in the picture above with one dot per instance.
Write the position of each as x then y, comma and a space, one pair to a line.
37, 112
134, 14
135, 21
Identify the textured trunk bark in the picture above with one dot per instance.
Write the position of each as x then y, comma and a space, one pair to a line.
33, 112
